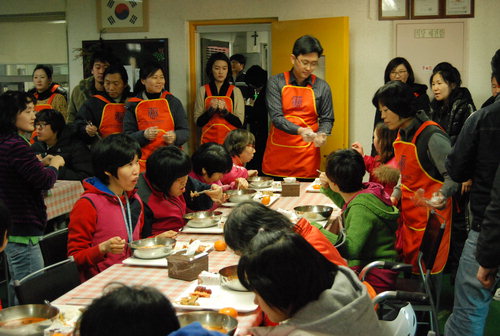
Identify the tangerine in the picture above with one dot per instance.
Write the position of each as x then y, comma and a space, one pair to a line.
317, 186
220, 245
229, 311
266, 200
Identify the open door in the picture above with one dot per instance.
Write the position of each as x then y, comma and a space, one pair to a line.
333, 33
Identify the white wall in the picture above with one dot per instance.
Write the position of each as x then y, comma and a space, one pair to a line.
372, 44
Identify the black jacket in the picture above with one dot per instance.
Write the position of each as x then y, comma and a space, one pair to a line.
476, 156
451, 116
76, 154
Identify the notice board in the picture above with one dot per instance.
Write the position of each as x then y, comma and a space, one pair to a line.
425, 44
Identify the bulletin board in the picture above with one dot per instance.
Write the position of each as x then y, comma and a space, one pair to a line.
425, 44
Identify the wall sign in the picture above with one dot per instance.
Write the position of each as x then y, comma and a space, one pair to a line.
115, 16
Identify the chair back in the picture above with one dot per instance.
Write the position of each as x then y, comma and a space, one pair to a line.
432, 239
54, 246
49, 283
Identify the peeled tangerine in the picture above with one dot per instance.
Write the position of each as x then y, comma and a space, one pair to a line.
229, 311
220, 245
266, 200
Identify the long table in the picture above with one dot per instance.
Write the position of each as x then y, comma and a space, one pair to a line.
60, 199
172, 288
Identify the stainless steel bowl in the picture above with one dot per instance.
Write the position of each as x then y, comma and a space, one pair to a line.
242, 195
203, 219
152, 248
210, 320
259, 182
229, 278
11, 314
314, 212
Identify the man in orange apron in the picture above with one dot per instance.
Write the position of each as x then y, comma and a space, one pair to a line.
102, 114
300, 106
420, 149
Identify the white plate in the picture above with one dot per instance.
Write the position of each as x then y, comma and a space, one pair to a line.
256, 198
220, 298
310, 186
131, 261
212, 229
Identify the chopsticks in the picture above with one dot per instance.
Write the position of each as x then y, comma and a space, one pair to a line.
198, 193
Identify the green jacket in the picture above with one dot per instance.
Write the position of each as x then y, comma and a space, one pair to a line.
83, 91
370, 227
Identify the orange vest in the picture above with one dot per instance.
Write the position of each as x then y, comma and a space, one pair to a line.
287, 154
217, 128
414, 218
48, 104
111, 117
153, 112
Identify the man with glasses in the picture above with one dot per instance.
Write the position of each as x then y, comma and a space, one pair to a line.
301, 110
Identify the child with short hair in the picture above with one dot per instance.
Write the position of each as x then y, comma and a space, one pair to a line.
109, 213
370, 219
383, 167
240, 144
165, 189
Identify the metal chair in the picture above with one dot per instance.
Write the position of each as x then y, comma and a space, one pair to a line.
428, 250
54, 246
49, 283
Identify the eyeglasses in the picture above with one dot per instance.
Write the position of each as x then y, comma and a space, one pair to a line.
398, 73
307, 63
41, 125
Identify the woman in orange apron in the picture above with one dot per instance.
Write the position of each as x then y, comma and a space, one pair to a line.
49, 95
154, 117
219, 106
420, 149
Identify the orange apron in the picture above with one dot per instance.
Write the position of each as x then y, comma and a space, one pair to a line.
414, 218
153, 112
48, 104
287, 154
111, 117
217, 128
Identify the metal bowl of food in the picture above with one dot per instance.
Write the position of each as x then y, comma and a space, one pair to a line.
152, 248
241, 195
229, 278
26, 320
203, 219
314, 212
259, 182
210, 320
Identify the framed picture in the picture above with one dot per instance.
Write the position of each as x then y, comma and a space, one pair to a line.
393, 9
131, 53
459, 8
426, 9
122, 16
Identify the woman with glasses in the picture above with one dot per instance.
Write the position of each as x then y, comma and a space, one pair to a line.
219, 106
57, 138
23, 178
399, 69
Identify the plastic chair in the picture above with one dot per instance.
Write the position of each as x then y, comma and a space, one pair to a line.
49, 283
54, 247
428, 250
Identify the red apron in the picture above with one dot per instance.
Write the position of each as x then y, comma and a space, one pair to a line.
111, 117
153, 112
287, 154
413, 217
217, 128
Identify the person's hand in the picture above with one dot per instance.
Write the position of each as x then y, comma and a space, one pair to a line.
319, 139
57, 161
46, 160
394, 200
306, 133
168, 234
115, 245
241, 183
151, 132
91, 130
324, 180
214, 103
253, 172
169, 137
358, 148
438, 201
487, 276
216, 194
466, 186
